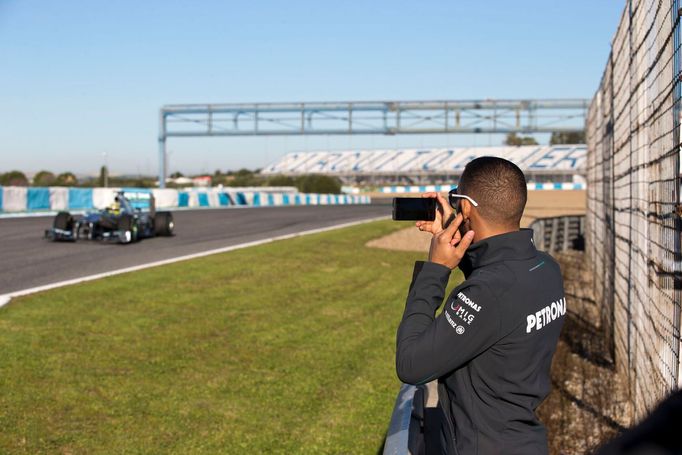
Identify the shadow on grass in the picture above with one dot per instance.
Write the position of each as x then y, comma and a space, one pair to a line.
588, 404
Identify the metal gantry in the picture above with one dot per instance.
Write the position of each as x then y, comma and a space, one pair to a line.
368, 117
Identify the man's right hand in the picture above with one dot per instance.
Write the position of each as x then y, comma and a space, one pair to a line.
448, 246
444, 215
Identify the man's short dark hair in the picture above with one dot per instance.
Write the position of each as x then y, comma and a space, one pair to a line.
499, 187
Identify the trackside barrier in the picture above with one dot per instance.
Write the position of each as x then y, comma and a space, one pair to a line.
559, 233
35, 199
416, 421
634, 205
398, 434
445, 188
81, 199
59, 198
38, 198
14, 199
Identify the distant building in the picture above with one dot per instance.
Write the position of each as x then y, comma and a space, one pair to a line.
180, 181
202, 180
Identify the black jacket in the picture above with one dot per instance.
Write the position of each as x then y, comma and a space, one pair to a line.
492, 345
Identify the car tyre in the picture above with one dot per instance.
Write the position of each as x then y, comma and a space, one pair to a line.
163, 224
128, 223
63, 221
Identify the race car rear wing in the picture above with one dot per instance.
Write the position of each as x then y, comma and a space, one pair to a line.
140, 198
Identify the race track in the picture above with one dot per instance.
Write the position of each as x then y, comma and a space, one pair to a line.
27, 260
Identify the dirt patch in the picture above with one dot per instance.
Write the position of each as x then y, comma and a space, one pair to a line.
408, 239
540, 204
548, 203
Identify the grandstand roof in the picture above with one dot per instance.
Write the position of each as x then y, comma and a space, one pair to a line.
547, 159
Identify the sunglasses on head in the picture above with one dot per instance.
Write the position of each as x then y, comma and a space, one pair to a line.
454, 199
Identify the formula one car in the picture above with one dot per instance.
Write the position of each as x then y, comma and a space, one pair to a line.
131, 217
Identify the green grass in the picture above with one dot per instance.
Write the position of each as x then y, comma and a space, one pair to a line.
281, 348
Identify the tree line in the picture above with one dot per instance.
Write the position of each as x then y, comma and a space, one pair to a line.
313, 183
42, 178
47, 178
557, 138
309, 183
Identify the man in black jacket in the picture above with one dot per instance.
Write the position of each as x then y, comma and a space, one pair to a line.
491, 347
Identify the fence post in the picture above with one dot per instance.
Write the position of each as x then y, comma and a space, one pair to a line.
553, 234
677, 255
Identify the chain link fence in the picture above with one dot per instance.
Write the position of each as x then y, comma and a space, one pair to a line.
633, 222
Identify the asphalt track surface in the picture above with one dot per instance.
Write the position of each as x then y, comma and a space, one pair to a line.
27, 260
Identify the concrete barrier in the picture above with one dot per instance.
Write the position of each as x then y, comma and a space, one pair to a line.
166, 197
14, 199
81, 199
398, 435
38, 198
52, 199
59, 198
559, 233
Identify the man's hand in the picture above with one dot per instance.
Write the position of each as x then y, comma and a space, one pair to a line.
448, 246
443, 215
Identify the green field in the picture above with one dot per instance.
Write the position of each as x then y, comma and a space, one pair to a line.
286, 348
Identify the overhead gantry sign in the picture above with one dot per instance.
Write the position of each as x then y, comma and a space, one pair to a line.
367, 117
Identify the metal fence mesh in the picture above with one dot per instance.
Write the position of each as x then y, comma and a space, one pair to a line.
633, 229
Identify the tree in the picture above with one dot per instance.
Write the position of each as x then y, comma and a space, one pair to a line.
245, 177
316, 183
104, 177
281, 180
176, 175
243, 172
66, 179
513, 139
43, 178
13, 178
573, 137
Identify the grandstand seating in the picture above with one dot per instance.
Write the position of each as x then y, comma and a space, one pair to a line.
564, 160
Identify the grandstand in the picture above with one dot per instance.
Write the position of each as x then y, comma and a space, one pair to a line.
541, 164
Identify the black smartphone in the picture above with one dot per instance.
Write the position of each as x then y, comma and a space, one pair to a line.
414, 209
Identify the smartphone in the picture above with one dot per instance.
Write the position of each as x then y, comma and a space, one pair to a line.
414, 208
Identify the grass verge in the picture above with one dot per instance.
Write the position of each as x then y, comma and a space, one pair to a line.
281, 348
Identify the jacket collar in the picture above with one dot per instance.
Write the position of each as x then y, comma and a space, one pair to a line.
516, 245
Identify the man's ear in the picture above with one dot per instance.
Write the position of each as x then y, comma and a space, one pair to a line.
465, 207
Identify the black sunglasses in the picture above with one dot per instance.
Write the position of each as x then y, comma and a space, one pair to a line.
454, 199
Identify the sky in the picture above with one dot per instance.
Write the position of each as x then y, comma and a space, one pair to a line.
81, 82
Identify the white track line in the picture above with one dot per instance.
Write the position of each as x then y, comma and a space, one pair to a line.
5, 298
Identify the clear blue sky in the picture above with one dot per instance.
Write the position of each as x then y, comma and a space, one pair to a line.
82, 78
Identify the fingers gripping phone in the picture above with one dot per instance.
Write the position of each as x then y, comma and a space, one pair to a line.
414, 209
